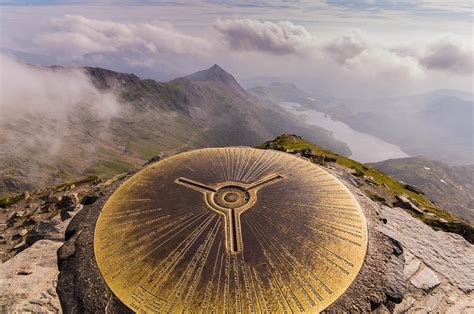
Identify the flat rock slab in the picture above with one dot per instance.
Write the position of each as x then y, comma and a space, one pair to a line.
412, 264
445, 253
425, 279
28, 280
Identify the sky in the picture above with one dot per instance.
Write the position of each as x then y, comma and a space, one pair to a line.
336, 47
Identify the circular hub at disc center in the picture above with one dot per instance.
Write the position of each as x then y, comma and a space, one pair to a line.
231, 197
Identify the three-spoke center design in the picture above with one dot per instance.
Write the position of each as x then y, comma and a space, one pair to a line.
230, 199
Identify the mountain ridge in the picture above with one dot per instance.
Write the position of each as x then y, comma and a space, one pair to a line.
153, 117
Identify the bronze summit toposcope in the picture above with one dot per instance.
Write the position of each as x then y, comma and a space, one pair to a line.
230, 229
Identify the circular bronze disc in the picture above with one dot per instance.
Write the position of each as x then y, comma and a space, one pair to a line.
230, 229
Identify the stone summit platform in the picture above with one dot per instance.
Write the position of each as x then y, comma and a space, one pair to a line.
228, 229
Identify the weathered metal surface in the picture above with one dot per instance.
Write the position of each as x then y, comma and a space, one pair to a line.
230, 229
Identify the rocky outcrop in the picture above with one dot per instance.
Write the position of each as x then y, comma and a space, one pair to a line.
33, 232
82, 289
439, 266
36, 216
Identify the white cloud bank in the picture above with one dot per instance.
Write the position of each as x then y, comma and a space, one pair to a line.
74, 35
276, 38
350, 51
250, 48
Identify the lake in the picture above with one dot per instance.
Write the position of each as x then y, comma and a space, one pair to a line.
365, 147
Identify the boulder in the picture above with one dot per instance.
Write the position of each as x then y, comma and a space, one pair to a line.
425, 279
89, 199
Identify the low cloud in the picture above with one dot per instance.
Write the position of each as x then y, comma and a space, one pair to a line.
345, 48
448, 54
41, 107
279, 38
74, 35
53, 92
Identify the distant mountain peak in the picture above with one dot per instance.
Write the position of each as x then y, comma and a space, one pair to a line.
214, 74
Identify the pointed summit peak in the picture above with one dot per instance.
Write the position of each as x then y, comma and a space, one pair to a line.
216, 67
214, 74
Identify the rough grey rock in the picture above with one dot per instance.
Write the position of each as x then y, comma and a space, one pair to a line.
412, 264
81, 288
464, 304
445, 253
404, 306
425, 279
26, 277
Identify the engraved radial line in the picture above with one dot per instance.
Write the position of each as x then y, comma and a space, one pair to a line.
232, 163
137, 260
259, 166
247, 168
235, 164
138, 237
165, 218
248, 305
248, 165
275, 162
265, 166
133, 250
218, 284
175, 256
298, 238
330, 213
291, 218
269, 258
109, 248
211, 281
261, 239
243, 164
239, 164
221, 157
256, 162
287, 249
245, 157
215, 166
228, 164
132, 264
355, 233
212, 169
310, 216
185, 277
287, 264
345, 261
254, 289
128, 213
202, 262
316, 206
